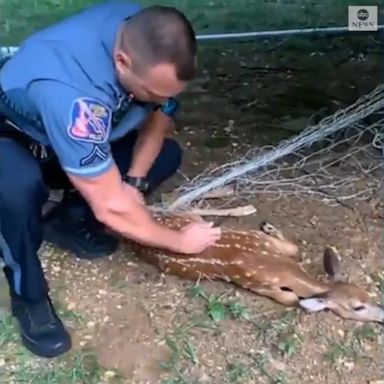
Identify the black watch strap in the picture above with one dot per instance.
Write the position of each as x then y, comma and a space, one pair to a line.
138, 182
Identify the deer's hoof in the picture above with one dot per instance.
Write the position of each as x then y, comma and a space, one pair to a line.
268, 228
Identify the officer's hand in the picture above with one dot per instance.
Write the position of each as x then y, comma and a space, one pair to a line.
197, 236
134, 193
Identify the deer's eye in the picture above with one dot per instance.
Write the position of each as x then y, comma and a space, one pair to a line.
359, 308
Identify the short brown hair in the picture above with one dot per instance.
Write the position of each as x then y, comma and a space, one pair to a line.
160, 34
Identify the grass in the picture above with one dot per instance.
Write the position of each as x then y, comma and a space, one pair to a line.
216, 308
181, 343
19, 366
280, 333
350, 347
19, 18
237, 372
261, 363
183, 348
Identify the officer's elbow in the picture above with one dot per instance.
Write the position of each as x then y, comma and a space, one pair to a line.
106, 210
103, 193
102, 213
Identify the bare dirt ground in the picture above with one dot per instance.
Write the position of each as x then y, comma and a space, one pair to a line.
135, 320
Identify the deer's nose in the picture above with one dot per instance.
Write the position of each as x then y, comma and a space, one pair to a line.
381, 314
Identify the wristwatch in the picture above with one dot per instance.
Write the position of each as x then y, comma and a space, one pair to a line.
170, 107
138, 182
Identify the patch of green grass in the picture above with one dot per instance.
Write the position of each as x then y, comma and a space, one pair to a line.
19, 18
261, 363
81, 368
381, 288
289, 343
281, 333
350, 347
254, 367
78, 367
180, 342
218, 309
7, 332
21, 366
73, 317
237, 372
182, 345
179, 380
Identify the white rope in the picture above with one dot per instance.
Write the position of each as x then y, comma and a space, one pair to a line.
236, 170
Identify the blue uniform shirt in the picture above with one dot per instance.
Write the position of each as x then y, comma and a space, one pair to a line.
64, 75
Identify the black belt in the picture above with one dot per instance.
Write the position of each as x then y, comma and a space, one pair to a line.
9, 131
39, 151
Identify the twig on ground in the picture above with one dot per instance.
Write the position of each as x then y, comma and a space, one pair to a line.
233, 212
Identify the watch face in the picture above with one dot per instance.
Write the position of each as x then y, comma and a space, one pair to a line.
170, 106
138, 182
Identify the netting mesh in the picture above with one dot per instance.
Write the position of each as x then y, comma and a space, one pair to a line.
338, 159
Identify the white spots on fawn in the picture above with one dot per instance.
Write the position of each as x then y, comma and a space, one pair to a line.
233, 237
242, 247
275, 280
267, 244
265, 253
218, 245
184, 269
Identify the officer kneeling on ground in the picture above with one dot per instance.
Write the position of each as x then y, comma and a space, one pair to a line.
84, 106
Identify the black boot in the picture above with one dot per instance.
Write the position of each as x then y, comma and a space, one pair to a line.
72, 226
42, 331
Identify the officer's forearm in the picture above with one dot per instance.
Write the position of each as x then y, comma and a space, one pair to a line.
112, 204
134, 222
148, 145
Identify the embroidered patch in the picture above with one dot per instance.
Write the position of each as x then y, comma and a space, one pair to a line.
96, 153
90, 121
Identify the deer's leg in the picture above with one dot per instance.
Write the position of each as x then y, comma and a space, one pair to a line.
279, 241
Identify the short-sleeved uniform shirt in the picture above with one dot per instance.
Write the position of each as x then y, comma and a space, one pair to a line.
64, 75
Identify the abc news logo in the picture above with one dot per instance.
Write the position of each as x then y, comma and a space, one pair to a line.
362, 18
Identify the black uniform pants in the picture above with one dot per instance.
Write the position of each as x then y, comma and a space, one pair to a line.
24, 189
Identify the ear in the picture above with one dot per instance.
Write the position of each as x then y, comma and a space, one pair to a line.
122, 61
331, 261
314, 304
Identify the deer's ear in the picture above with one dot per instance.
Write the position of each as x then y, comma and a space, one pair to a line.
331, 261
314, 304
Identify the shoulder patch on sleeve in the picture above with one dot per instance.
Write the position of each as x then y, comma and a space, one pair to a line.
90, 121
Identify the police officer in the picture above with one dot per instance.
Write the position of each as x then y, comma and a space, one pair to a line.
84, 106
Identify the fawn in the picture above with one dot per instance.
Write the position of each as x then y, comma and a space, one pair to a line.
265, 262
